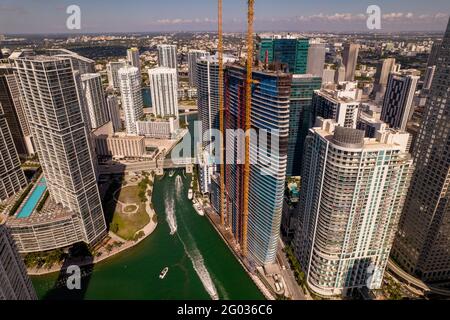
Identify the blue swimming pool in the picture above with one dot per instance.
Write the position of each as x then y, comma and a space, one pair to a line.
33, 199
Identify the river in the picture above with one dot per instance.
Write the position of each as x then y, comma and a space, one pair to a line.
200, 264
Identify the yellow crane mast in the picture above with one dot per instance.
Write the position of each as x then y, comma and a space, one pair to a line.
248, 109
221, 116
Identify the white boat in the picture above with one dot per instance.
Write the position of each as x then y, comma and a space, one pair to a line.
163, 273
171, 173
199, 209
190, 194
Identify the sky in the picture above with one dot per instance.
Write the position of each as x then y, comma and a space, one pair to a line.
49, 16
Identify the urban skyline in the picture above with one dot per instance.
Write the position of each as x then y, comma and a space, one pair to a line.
275, 165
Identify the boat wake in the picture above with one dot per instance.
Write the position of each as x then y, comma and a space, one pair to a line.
170, 215
178, 186
199, 266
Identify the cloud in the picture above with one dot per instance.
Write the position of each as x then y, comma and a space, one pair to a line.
179, 21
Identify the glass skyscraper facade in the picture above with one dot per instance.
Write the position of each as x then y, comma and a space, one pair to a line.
300, 119
291, 52
270, 112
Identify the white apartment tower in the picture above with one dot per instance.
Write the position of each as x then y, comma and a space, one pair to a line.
163, 86
167, 56
133, 58
53, 102
12, 178
112, 69
14, 281
95, 99
132, 101
353, 191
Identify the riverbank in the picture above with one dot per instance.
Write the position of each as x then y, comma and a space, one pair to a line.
112, 246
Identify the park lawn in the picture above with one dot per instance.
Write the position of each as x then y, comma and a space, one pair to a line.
129, 195
129, 224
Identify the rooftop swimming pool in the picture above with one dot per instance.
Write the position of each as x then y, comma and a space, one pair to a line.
33, 200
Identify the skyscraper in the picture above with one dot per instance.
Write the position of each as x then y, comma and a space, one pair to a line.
208, 92
398, 100
316, 58
114, 112
328, 104
300, 119
112, 68
12, 178
350, 60
14, 113
193, 57
291, 52
422, 244
163, 86
54, 106
133, 58
95, 99
14, 281
132, 100
270, 111
79, 63
167, 56
352, 194
385, 67
434, 54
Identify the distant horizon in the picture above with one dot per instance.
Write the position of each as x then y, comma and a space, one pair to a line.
107, 33
49, 17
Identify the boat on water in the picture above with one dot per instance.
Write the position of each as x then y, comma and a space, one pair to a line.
199, 209
171, 173
163, 273
190, 194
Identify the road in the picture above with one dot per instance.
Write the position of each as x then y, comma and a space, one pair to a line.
139, 166
289, 277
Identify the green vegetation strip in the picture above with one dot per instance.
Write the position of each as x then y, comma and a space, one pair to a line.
42, 202
19, 201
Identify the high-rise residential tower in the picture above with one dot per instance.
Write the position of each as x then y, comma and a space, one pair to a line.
350, 60
270, 118
434, 54
351, 198
163, 86
112, 69
422, 244
53, 101
398, 100
193, 57
300, 119
132, 100
14, 112
14, 281
133, 58
167, 56
208, 92
12, 178
95, 99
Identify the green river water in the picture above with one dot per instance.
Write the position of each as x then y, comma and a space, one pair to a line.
200, 264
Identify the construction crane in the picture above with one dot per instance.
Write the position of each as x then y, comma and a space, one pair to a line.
221, 116
248, 107
248, 110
